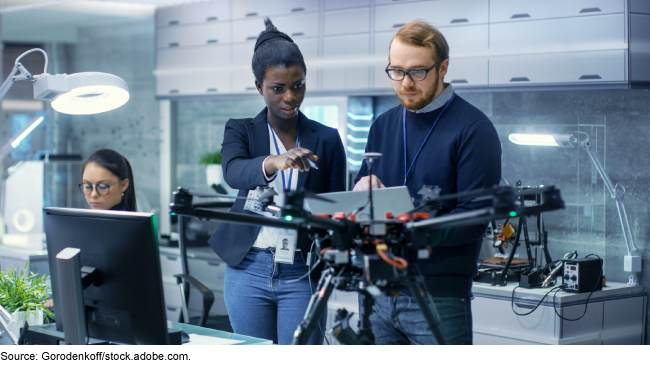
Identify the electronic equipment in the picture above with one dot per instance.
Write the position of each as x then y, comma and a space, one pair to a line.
372, 256
583, 275
124, 302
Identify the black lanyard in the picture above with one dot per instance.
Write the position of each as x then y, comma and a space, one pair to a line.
407, 173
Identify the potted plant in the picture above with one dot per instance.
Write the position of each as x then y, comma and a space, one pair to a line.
24, 297
213, 170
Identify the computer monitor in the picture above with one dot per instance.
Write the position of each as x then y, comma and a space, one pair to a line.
128, 305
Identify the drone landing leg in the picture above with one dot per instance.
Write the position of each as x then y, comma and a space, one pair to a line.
315, 309
429, 312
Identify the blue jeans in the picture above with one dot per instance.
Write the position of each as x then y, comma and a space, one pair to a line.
262, 303
398, 321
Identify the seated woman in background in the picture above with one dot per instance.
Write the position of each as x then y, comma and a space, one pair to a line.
108, 182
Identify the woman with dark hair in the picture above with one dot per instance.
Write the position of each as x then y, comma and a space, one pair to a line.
266, 288
107, 181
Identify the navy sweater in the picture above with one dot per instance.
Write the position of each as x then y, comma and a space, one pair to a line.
463, 153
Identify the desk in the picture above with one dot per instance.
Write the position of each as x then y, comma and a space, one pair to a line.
615, 315
191, 329
48, 335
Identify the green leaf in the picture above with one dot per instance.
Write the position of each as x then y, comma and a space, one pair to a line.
23, 291
210, 158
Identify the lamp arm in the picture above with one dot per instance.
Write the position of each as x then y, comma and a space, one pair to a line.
617, 193
14, 76
586, 145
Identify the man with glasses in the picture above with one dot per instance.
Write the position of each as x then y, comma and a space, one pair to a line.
434, 138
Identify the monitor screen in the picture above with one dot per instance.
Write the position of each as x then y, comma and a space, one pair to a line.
128, 304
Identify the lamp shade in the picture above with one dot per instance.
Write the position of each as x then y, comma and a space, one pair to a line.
92, 93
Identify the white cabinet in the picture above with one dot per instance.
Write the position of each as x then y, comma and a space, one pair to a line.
492, 43
188, 58
299, 25
558, 68
467, 72
206, 83
379, 76
196, 35
303, 25
439, 13
243, 82
614, 315
521, 10
346, 76
263, 8
471, 40
557, 35
348, 4
347, 21
242, 54
216, 10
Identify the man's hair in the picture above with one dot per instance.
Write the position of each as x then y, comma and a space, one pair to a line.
421, 33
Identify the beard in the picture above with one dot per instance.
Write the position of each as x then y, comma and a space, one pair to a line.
423, 99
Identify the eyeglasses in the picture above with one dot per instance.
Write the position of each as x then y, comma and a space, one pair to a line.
102, 189
415, 75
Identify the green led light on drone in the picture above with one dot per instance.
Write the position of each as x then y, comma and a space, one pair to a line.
173, 213
513, 214
289, 218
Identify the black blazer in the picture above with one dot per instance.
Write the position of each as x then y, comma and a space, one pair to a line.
244, 148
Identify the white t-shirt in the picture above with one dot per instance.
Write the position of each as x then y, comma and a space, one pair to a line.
269, 236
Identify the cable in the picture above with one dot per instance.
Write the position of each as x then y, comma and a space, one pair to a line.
512, 301
557, 289
600, 278
30, 51
311, 289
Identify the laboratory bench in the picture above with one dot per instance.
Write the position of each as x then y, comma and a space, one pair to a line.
615, 315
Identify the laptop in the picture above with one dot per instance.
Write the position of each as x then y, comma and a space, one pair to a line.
396, 200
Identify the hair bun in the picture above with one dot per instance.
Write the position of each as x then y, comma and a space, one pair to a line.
269, 25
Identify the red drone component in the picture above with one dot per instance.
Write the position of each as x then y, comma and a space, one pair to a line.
389, 215
352, 218
322, 215
339, 215
404, 218
420, 216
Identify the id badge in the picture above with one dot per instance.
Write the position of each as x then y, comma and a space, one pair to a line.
286, 246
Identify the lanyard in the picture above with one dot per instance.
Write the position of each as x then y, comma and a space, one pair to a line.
277, 149
407, 173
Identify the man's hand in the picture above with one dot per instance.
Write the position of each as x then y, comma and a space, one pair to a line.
364, 183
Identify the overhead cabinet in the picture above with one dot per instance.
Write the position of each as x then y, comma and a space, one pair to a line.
530, 10
439, 13
195, 13
559, 35
194, 35
300, 25
493, 44
558, 68
263, 8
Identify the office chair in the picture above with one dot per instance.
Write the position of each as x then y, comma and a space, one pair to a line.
185, 280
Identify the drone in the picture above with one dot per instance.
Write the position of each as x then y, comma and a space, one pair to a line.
371, 256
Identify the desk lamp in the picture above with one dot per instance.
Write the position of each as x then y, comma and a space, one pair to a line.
79, 94
632, 261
